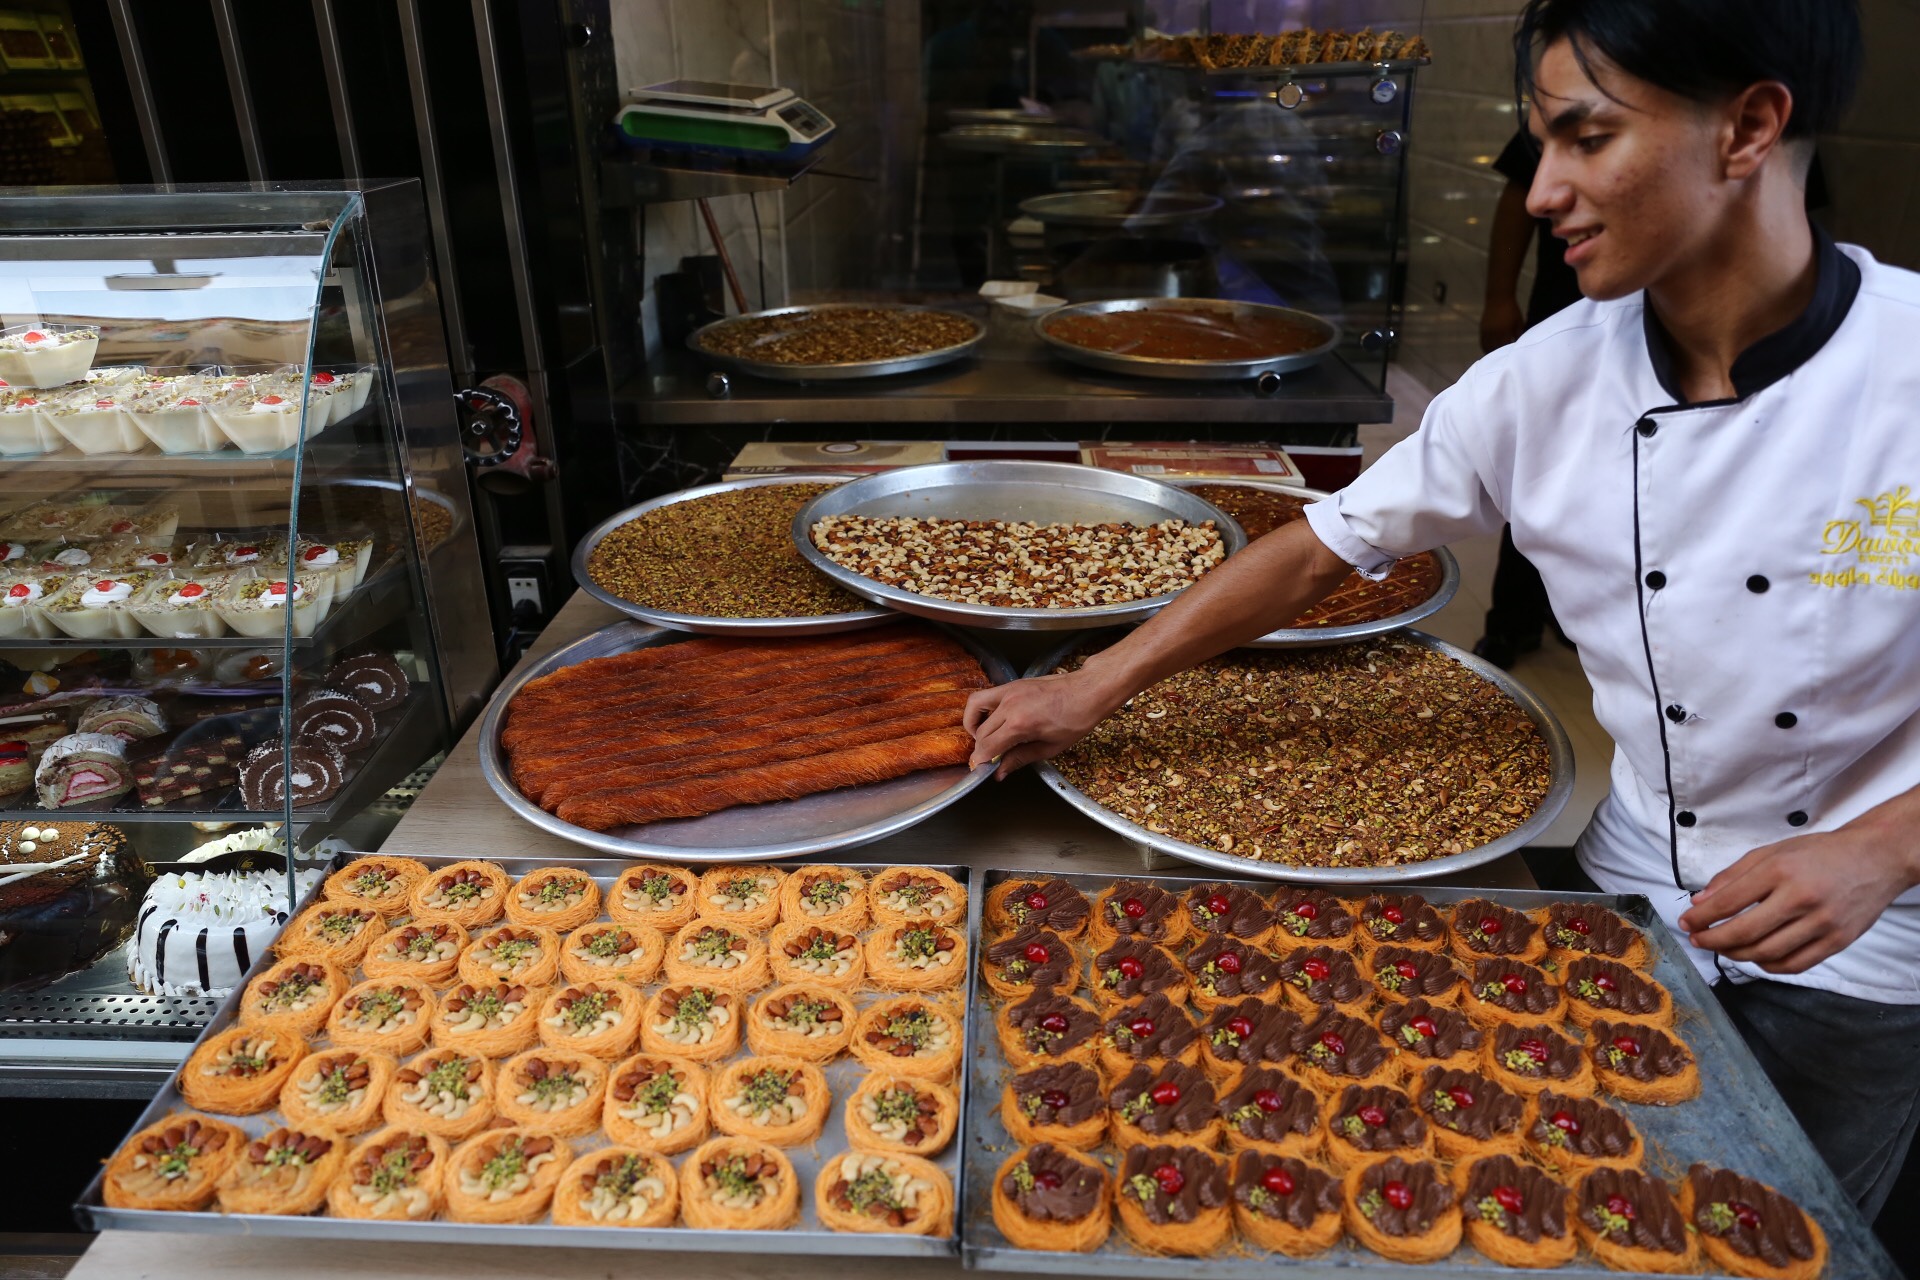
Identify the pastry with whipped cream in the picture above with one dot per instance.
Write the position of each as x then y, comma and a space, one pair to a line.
225, 552
47, 355
171, 411
257, 604
23, 597
25, 428
93, 419
180, 608
90, 608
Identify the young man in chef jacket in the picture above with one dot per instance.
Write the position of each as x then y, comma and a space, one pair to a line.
1715, 463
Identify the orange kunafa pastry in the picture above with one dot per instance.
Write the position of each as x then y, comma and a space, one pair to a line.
1470, 1114
1529, 1059
1638, 1063
294, 995
1047, 1027
1507, 991
471, 894
916, 895
1223, 971
393, 1015
1227, 911
1479, 929
1029, 960
1037, 902
657, 1102
1572, 1136
504, 1175
337, 1089
1631, 1223
491, 1020
781, 1101
1401, 920
396, 1175
737, 1184
617, 1187
1515, 1214
629, 953
1750, 1229
1402, 1209
1149, 1030
872, 1191
1426, 1035
284, 1171
911, 1036
700, 1024
1407, 973
1338, 1049
175, 1163
1061, 1104
1311, 917
1323, 975
1169, 1103
1284, 1204
1132, 968
1599, 988
1173, 1200
557, 898
240, 1071
746, 898
552, 1091
835, 897
1246, 1035
918, 956
658, 897
444, 1092
375, 880
524, 955
427, 952
812, 1023
600, 1018
717, 954
1269, 1111
1368, 1122
1575, 929
898, 1114
1052, 1199
1136, 909
334, 932
816, 953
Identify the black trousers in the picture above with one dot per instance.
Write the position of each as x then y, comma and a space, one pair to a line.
1519, 609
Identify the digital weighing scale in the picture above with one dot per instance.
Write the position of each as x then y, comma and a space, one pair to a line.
731, 119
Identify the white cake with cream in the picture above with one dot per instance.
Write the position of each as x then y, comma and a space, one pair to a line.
199, 932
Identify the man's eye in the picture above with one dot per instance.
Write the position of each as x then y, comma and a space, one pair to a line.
1593, 142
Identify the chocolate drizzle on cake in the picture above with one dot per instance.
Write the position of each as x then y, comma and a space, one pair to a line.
1173, 1184
1538, 1052
1149, 1028
1583, 926
1609, 985
1137, 909
1515, 987
1065, 1093
1377, 1118
1428, 1031
1047, 904
1327, 975
1052, 1185
1496, 1184
1114, 970
1228, 969
1418, 921
1051, 1025
1341, 1045
1305, 1195
1312, 915
1468, 1103
1172, 1098
1251, 1032
1491, 929
1630, 1209
1244, 917
1757, 1221
1584, 1126
1033, 958
1268, 1105
1407, 974
1426, 1194
1644, 1053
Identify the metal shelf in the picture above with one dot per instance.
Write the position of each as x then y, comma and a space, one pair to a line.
331, 447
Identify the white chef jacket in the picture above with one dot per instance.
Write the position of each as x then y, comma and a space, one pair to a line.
1742, 577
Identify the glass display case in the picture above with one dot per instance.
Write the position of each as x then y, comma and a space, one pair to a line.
240, 595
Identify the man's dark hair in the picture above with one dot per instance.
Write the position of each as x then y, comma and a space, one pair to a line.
1709, 50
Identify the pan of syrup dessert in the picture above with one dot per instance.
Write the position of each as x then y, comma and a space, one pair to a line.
837, 341
1187, 339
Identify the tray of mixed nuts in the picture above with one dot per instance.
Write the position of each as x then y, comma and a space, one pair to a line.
837, 341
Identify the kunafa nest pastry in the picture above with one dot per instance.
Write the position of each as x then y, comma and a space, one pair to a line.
295, 996
657, 1102
900, 1114
883, 1191
1049, 1198
1323, 975
1240, 1037
716, 954
918, 956
1047, 1027
698, 1023
1425, 1035
556, 898
1284, 1204
1641, 1063
1470, 1114
1401, 920
1269, 1111
1027, 960
1136, 909
444, 1092
471, 894
1749, 1229
658, 897
393, 1015
491, 1019
916, 895
808, 1021
504, 1175
1597, 988
1572, 1136
629, 953
557, 1092
1227, 911
377, 880
1174, 1200
600, 1018
911, 1036
336, 932
1508, 991
1043, 902
1062, 1104
1406, 973
738, 1184
1529, 1059
1401, 1209
1575, 929
743, 897
240, 1071
1338, 1049
284, 1171
175, 1163
1515, 1214
1133, 967
835, 897
1479, 929
1372, 1121
818, 954
1222, 971
428, 952
1631, 1223
617, 1187
782, 1101
1167, 1103
337, 1089
526, 955
1147, 1030
396, 1175
1311, 917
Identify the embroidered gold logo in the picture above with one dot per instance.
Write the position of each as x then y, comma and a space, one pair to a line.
1882, 540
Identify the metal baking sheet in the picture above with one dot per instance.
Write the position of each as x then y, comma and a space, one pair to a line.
706, 624
808, 1237
823, 823
1559, 789
1321, 637
1186, 370
838, 371
1738, 1122
1041, 492
1118, 210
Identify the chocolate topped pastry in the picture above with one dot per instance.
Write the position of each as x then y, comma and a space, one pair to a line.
1537, 1052
1406, 974
374, 680
1518, 988
1750, 1217
1405, 918
1228, 910
1135, 967
1251, 1032
1064, 1094
1325, 975
1150, 1028
1051, 1025
1428, 1031
1587, 1128
1517, 1198
1311, 914
1467, 1103
1173, 1184
1052, 1185
1137, 909
1047, 904
1634, 1049
1584, 926
1033, 958
1378, 1118
1612, 986
1227, 969
1171, 1099
1282, 1187
1627, 1208
1268, 1105
1403, 1197
1489, 929
1341, 1045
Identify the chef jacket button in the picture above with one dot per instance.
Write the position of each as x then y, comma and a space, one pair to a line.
1676, 713
1685, 818
1786, 719
1797, 818
1758, 584
1656, 580
1646, 427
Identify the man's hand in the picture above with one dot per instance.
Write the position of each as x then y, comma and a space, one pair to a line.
1788, 906
1030, 720
1501, 323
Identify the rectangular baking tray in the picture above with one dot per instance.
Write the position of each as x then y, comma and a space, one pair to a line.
808, 1237
1738, 1121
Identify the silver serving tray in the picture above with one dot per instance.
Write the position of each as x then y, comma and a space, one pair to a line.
1559, 788
1114, 209
824, 823
808, 1237
705, 624
1043, 492
838, 371
1321, 637
1738, 1122
1185, 370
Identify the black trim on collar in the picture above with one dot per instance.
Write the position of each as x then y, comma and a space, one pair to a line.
1779, 353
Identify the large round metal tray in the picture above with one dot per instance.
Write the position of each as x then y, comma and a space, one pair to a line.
1189, 370
1113, 209
821, 823
1042, 492
1559, 788
1322, 637
841, 370
823, 624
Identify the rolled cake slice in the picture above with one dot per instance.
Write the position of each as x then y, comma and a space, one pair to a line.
319, 771
83, 769
329, 715
124, 716
374, 680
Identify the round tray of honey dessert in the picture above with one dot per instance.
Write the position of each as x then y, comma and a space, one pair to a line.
836, 341
1195, 339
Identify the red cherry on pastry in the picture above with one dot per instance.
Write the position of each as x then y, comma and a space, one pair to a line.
1393, 915
1407, 969
1565, 1121
1490, 925
1627, 1045
1515, 984
1372, 1117
19, 591
1055, 1022
1578, 925
1508, 1198
1055, 1098
1306, 911
1130, 967
1133, 907
1036, 901
1424, 1025
1142, 1027
1745, 1214
1170, 1179
1621, 1206
1462, 1097
1604, 981
1037, 952
1333, 1041
1047, 1178
1267, 1099
1165, 1094
1278, 1181
1398, 1195
1240, 1026
1228, 962
1316, 969
1218, 904
1535, 1049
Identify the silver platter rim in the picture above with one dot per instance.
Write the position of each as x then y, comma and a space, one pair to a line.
837, 371
1559, 791
993, 617
493, 767
818, 625
1185, 370
1323, 637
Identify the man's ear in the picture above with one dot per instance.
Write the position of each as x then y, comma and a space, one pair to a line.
1755, 127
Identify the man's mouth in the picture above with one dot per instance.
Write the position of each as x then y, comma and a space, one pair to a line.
1575, 239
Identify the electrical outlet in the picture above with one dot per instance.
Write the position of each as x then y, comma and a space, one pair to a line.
525, 589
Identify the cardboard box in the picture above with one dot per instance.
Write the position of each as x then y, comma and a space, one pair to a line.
1175, 459
1171, 459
